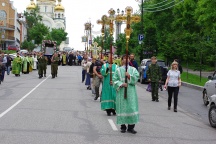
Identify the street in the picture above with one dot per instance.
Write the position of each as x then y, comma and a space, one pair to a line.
62, 111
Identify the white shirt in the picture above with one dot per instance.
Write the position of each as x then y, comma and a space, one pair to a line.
174, 76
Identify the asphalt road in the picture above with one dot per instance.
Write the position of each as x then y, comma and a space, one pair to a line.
62, 111
190, 100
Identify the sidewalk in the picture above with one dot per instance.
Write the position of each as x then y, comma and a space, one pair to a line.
204, 73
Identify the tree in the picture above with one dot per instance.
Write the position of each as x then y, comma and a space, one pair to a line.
27, 45
33, 17
58, 35
38, 32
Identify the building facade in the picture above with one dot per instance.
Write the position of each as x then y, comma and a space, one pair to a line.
53, 14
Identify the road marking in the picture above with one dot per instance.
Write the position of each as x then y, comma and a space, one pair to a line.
20, 100
113, 125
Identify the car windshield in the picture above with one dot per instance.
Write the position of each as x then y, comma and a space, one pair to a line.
160, 63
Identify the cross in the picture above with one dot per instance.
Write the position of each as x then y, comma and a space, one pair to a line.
95, 49
129, 18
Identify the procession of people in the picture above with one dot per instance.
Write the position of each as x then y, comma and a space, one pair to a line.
111, 79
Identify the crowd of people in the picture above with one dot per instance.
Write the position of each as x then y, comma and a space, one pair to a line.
118, 94
27, 62
117, 75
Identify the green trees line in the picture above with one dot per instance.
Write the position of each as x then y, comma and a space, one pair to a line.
186, 30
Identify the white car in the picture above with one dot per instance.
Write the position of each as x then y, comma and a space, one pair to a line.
212, 111
209, 88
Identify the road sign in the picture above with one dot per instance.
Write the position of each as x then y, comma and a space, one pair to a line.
141, 37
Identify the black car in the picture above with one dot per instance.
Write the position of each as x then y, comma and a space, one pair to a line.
164, 70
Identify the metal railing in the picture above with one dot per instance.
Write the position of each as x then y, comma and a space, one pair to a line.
6, 38
8, 26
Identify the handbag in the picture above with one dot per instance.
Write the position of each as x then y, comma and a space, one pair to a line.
149, 87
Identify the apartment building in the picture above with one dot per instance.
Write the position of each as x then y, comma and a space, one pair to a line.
12, 26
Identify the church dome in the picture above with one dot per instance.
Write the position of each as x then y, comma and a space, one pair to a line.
59, 7
31, 6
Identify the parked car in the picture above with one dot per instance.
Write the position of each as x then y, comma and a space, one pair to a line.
23, 51
11, 47
209, 88
144, 67
212, 111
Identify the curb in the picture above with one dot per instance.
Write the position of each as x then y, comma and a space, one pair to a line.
192, 86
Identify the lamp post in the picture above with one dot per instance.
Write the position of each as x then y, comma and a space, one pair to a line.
102, 21
118, 24
129, 18
88, 27
141, 27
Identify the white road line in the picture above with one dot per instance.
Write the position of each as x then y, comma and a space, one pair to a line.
20, 100
113, 125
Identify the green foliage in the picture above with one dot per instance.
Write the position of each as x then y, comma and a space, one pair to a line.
57, 35
107, 40
33, 17
186, 31
38, 32
193, 79
27, 45
7, 51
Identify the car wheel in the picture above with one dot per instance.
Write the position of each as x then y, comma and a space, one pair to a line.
212, 116
205, 98
141, 79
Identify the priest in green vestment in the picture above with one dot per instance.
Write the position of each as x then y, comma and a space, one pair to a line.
126, 108
31, 62
108, 92
17, 65
64, 59
25, 64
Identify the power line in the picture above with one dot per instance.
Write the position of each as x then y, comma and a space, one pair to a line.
159, 6
164, 8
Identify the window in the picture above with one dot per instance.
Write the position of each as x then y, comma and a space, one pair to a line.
3, 17
59, 16
45, 9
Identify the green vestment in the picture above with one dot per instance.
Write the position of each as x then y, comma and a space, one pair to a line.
25, 66
16, 65
31, 64
127, 109
108, 92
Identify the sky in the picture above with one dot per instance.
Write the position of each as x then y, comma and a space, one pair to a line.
78, 12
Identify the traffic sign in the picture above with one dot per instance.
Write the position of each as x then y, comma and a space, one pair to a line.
141, 37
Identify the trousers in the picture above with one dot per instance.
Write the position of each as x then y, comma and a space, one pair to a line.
130, 127
154, 92
171, 91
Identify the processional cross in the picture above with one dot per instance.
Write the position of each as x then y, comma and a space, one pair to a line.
95, 49
129, 18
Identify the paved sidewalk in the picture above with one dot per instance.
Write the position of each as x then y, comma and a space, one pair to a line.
204, 73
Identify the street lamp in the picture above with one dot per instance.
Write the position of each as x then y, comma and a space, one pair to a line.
118, 24
141, 27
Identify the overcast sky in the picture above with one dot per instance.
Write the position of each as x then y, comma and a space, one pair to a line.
80, 11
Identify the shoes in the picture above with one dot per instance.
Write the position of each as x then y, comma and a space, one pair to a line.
153, 99
113, 112
44, 75
123, 131
96, 98
157, 100
175, 110
108, 114
168, 108
132, 131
